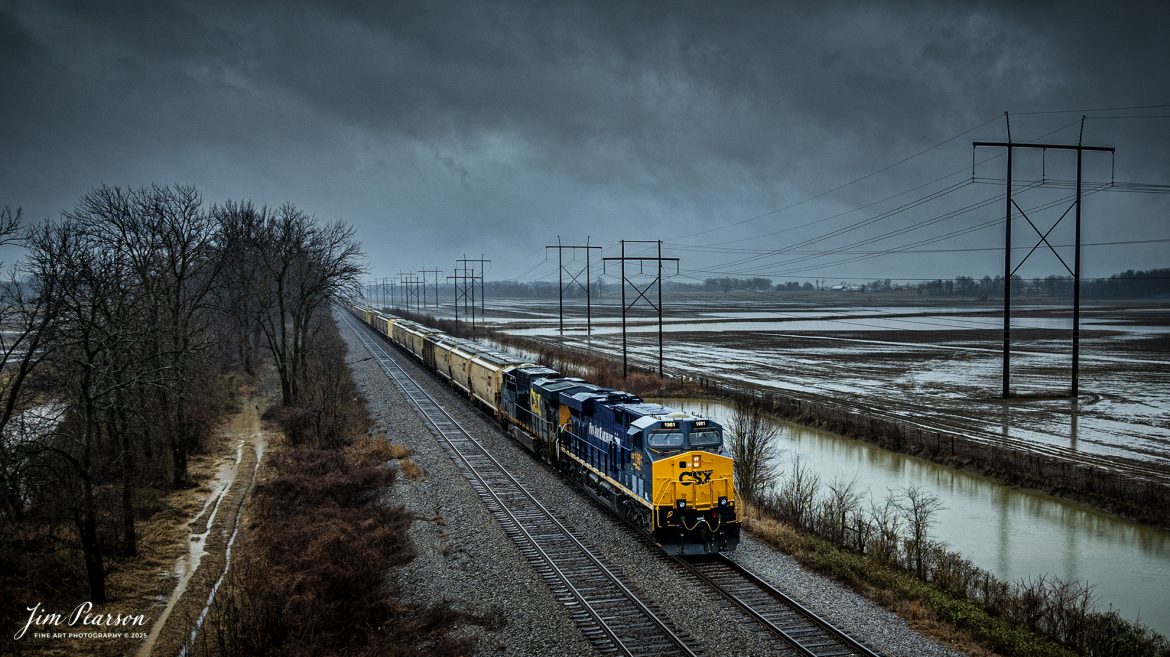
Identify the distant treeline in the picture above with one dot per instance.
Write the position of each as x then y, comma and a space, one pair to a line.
1126, 285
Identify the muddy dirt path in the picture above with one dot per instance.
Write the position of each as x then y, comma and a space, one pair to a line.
213, 532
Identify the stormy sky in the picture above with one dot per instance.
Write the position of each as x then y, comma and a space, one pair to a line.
791, 140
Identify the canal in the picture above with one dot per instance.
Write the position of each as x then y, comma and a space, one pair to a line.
1010, 532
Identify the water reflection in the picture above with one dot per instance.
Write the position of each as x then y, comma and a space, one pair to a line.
1011, 532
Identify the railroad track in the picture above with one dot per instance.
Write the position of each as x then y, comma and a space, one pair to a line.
808, 634
610, 615
799, 630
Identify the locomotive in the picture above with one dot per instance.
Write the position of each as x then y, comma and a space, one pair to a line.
666, 472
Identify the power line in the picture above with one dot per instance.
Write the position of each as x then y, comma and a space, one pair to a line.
840, 187
1098, 109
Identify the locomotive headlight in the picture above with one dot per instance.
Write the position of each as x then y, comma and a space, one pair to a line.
682, 504
695, 460
722, 501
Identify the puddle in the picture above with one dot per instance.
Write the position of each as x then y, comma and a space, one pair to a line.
246, 426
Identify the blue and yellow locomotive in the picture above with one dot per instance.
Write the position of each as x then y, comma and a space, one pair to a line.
668, 473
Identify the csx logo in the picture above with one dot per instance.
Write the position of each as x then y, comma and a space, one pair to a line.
688, 477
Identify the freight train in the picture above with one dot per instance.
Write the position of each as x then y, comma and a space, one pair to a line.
666, 472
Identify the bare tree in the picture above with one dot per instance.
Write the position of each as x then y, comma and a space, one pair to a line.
753, 442
303, 265
887, 524
240, 226
919, 508
798, 493
168, 242
278, 247
89, 363
329, 268
117, 314
27, 316
843, 498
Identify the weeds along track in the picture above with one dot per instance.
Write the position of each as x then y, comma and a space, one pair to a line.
609, 614
807, 633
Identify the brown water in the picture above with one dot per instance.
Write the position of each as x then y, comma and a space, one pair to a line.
1010, 532
246, 426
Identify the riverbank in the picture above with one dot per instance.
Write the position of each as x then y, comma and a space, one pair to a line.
958, 619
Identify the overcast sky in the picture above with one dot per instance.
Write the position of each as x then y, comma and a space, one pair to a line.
445, 129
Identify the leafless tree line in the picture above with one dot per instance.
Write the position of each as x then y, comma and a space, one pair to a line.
119, 326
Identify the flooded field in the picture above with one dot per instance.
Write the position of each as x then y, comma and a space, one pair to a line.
1010, 532
936, 365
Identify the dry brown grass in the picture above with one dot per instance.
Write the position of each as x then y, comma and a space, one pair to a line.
309, 576
411, 470
377, 448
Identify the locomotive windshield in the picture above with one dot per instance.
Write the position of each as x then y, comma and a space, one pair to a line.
666, 439
677, 440
705, 438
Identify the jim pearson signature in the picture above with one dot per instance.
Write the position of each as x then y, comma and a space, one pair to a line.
39, 618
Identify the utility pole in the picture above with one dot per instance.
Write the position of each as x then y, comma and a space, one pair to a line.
413, 286
574, 279
481, 261
464, 280
436, 272
642, 291
1074, 271
404, 288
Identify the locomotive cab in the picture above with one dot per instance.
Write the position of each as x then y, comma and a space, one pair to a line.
689, 474
666, 471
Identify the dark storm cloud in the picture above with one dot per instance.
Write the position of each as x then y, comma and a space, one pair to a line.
442, 128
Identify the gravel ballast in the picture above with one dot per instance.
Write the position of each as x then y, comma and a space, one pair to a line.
465, 558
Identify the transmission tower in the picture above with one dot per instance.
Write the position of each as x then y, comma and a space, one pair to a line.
574, 279
464, 262
656, 282
436, 272
464, 281
1008, 271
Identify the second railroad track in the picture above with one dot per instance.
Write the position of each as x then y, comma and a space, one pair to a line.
609, 614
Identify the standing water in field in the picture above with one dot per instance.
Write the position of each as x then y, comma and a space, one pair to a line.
1012, 533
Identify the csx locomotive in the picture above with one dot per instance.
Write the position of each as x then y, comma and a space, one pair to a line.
668, 473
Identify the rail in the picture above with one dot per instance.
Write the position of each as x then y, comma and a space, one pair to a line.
610, 615
808, 633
